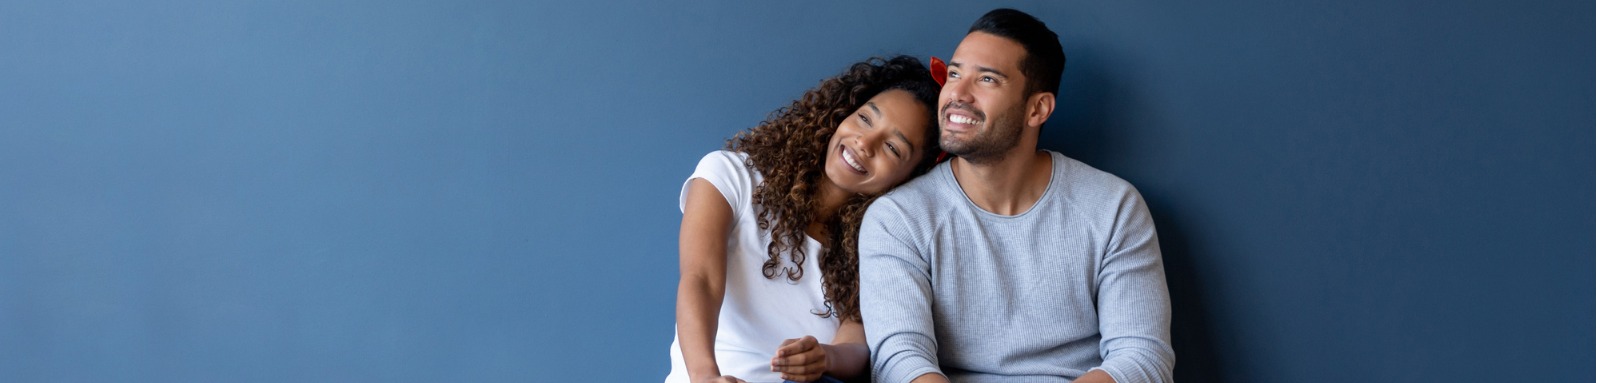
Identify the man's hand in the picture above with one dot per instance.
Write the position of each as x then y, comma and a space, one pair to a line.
801, 359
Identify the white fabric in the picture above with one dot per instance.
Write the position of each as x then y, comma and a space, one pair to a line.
757, 313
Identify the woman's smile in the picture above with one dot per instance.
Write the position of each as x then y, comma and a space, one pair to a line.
849, 156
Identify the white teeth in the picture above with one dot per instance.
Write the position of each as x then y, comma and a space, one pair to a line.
960, 119
851, 160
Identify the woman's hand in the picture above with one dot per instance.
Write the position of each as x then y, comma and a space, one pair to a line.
722, 379
801, 359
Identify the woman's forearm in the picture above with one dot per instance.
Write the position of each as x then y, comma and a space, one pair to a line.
697, 327
702, 276
847, 361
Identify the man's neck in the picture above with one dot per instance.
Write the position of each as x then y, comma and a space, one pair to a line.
1008, 186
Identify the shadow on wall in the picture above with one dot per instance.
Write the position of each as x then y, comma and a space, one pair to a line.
1084, 127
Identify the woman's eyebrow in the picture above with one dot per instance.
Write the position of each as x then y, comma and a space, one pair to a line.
909, 147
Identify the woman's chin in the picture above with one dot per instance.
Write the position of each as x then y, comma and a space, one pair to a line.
844, 179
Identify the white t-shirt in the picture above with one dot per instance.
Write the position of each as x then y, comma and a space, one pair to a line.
757, 313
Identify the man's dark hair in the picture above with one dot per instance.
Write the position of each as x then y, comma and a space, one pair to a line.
1044, 61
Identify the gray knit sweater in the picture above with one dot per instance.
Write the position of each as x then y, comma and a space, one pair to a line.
1073, 284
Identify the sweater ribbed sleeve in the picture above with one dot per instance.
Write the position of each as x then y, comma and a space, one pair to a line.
901, 331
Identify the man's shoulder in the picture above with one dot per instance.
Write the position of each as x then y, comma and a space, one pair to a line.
923, 194
926, 188
1084, 181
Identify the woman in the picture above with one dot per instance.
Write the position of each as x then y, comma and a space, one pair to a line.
767, 246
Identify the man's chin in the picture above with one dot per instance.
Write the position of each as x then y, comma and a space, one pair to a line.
957, 150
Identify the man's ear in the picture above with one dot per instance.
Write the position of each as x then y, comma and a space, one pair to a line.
1040, 106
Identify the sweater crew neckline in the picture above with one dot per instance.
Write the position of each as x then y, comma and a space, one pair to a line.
1056, 170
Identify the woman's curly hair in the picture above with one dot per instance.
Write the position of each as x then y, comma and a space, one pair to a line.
789, 151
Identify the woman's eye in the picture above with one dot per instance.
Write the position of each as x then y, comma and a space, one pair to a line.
862, 117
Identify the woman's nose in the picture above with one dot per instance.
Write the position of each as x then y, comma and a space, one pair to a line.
864, 145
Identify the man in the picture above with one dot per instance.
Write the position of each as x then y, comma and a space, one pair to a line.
1008, 263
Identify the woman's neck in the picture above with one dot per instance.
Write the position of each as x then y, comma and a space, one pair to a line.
830, 198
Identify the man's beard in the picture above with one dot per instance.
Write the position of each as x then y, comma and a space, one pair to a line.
990, 145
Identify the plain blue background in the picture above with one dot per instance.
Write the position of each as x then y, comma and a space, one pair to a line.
270, 191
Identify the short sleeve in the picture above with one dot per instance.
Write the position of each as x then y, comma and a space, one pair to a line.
726, 171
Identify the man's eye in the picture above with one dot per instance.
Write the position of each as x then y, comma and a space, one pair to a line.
988, 79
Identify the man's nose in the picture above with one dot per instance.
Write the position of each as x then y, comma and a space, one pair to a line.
957, 90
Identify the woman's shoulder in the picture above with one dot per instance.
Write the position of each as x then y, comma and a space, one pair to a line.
725, 163
726, 171
725, 156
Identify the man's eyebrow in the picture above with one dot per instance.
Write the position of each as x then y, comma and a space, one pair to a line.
996, 72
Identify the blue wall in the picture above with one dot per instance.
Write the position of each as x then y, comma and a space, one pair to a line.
485, 191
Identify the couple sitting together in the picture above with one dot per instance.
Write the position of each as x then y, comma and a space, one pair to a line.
806, 255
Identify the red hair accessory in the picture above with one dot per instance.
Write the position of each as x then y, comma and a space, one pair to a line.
936, 69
